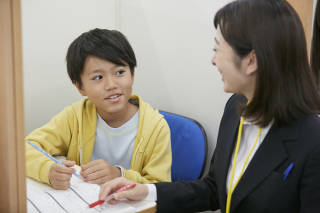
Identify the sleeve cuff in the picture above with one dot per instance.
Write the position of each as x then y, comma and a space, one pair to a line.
44, 172
152, 195
121, 170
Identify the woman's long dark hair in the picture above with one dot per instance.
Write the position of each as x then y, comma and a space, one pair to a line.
315, 45
285, 90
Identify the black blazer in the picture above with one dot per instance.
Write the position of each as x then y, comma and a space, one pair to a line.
262, 187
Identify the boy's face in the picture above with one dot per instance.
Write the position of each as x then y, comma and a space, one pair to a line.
107, 85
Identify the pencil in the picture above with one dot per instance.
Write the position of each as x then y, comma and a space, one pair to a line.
49, 156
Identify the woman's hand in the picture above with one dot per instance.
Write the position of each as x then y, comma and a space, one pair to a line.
139, 192
99, 172
59, 176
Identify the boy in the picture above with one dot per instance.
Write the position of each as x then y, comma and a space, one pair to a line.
111, 133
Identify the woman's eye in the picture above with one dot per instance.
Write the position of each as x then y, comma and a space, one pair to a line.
98, 77
214, 49
120, 72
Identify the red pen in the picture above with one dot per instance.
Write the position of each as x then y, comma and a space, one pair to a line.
109, 197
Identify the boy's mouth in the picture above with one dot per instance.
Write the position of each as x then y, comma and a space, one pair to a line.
112, 97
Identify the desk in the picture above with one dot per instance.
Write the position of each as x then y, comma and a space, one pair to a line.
43, 198
149, 210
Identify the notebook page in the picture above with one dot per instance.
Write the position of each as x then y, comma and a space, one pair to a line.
43, 198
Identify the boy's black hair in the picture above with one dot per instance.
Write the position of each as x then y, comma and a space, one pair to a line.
110, 45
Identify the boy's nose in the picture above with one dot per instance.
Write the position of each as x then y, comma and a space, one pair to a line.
109, 84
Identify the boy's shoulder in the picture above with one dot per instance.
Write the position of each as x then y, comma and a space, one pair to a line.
80, 106
144, 107
83, 103
146, 110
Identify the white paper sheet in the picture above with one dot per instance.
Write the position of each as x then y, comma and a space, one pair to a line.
43, 198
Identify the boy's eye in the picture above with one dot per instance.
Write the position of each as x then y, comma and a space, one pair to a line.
98, 77
120, 72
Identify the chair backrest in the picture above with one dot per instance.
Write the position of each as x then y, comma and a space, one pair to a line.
189, 147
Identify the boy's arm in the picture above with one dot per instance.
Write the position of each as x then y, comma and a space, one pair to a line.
157, 163
54, 137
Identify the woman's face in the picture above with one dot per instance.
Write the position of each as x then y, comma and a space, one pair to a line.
236, 74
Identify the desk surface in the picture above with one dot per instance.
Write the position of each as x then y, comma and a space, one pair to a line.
43, 198
149, 210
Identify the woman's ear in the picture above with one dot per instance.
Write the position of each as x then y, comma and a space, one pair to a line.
252, 63
80, 89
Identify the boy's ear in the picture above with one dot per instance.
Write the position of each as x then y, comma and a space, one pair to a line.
82, 91
252, 63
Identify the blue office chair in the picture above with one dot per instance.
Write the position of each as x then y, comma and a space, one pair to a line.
189, 147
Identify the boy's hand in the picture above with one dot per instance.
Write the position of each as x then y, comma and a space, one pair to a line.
99, 171
59, 176
139, 192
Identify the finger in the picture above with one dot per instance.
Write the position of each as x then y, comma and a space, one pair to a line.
98, 162
99, 177
137, 193
69, 163
104, 191
63, 169
112, 201
129, 195
92, 169
108, 188
57, 183
112, 186
99, 174
104, 175
90, 164
62, 177
82, 178
61, 185
100, 180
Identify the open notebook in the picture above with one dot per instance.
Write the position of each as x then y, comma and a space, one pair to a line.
43, 198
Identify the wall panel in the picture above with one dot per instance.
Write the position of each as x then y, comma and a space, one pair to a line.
12, 167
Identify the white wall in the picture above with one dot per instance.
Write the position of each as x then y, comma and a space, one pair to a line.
173, 42
48, 27
314, 11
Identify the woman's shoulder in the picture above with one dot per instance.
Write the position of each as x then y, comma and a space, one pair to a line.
312, 121
234, 101
309, 129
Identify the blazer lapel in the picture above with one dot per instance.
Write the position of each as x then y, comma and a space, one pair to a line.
228, 140
225, 144
261, 164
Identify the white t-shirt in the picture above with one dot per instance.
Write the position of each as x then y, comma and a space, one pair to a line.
115, 145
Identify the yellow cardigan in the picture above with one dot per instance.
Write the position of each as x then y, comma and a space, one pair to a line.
71, 133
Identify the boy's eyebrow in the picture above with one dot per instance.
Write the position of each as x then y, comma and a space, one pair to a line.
115, 66
94, 71
119, 65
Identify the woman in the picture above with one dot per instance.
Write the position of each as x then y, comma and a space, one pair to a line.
267, 157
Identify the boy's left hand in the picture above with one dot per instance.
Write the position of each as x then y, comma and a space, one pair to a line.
99, 172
